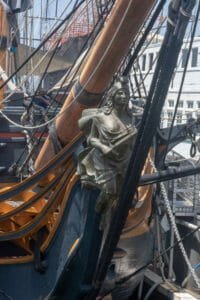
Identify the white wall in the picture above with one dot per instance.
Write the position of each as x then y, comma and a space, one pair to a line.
191, 88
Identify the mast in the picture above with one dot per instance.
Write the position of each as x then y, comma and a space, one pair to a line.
3, 47
103, 61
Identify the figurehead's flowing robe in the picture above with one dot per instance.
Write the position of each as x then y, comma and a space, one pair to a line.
100, 169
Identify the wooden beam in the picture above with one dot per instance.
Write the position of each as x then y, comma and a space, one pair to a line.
103, 61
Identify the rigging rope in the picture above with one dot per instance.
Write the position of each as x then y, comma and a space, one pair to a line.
41, 60
144, 37
175, 228
184, 74
99, 24
128, 277
143, 50
151, 117
42, 43
142, 82
83, 87
53, 44
21, 98
51, 58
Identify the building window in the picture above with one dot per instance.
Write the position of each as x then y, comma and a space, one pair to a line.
162, 120
184, 57
198, 104
150, 61
144, 62
171, 103
179, 117
194, 57
190, 104
180, 104
169, 118
188, 116
198, 116
136, 66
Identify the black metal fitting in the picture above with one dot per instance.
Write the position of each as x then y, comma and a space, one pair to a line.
84, 97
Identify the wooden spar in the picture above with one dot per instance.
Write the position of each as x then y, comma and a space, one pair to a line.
103, 61
3, 46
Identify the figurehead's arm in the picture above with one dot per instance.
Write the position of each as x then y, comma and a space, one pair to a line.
96, 143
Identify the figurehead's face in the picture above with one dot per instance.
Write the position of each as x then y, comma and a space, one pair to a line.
121, 97
119, 93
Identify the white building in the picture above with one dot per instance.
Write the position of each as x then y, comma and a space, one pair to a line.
189, 105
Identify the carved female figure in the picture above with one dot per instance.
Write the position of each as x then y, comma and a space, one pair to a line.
110, 136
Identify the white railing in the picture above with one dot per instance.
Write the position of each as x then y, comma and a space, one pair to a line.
184, 193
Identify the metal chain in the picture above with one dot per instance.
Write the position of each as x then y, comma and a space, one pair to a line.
175, 228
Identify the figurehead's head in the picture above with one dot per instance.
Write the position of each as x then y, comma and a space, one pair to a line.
120, 92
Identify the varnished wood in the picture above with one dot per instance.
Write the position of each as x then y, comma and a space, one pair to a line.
70, 185
96, 80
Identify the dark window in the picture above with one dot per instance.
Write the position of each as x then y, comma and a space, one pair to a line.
190, 104
179, 118
144, 62
180, 104
188, 116
169, 118
198, 116
184, 57
170, 115
162, 119
150, 61
198, 104
171, 103
194, 57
